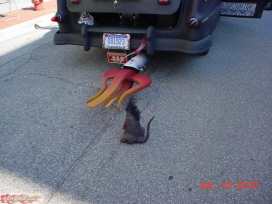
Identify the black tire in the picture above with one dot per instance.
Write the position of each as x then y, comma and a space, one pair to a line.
205, 52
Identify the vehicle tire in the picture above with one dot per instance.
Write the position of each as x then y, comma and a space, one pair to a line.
205, 52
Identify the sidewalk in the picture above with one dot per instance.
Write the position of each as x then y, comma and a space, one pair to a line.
27, 13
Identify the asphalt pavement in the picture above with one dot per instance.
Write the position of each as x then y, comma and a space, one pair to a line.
210, 141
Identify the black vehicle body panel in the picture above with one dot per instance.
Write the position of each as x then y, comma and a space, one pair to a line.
124, 6
166, 27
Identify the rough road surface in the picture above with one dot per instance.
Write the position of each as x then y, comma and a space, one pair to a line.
212, 123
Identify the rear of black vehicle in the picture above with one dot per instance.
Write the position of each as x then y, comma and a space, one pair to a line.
169, 25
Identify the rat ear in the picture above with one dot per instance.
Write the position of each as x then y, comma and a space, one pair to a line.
132, 100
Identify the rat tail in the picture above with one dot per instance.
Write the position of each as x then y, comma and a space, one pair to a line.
147, 130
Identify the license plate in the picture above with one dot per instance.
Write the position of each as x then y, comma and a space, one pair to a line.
120, 58
116, 41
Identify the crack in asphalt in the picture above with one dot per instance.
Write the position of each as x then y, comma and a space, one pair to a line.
15, 70
30, 52
54, 77
30, 59
79, 159
38, 74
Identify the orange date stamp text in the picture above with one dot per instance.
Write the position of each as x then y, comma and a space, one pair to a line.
229, 185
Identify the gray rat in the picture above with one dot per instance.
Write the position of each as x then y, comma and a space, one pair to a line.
134, 132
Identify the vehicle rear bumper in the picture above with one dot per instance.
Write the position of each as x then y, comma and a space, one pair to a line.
92, 37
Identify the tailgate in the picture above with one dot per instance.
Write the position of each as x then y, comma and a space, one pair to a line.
124, 6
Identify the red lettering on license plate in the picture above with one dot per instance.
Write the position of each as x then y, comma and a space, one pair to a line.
114, 57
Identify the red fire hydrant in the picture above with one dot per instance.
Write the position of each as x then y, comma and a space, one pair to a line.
38, 5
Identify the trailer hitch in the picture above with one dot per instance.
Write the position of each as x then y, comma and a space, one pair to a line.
122, 82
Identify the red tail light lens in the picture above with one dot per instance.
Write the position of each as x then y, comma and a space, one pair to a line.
164, 2
75, 1
56, 18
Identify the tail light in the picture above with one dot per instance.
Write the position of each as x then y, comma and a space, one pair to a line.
56, 18
75, 1
164, 2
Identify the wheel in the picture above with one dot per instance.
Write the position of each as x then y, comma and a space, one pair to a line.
205, 52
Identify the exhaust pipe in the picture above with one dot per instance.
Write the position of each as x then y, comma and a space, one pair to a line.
139, 62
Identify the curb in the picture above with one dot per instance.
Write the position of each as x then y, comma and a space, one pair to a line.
25, 27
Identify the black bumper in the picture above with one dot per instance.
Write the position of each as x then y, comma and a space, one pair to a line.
92, 37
